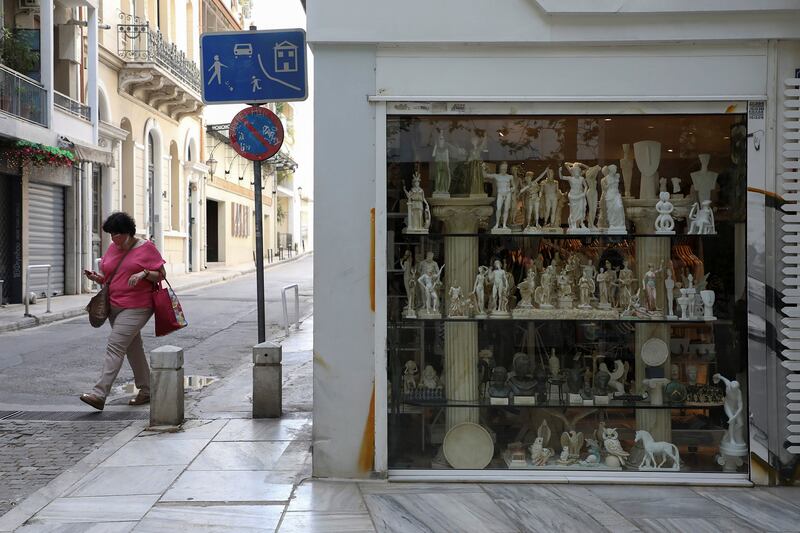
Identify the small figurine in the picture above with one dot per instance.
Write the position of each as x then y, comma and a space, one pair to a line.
602, 279
539, 454
504, 187
649, 285
410, 283
734, 439
429, 378
615, 377
669, 289
410, 372
666, 450
615, 210
515, 455
586, 289
626, 164
544, 432
554, 364
616, 454
479, 291
573, 442
708, 298
550, 194
701, 219
475, 176
526, 289
665, 225
531, 195
601, 380
418, 220
591, 194
577, 197
593, 456
676, 187
499, 281
459, 306
442, 175
498, 389
564, 459
430, 282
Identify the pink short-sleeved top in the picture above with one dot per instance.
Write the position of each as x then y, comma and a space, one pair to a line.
143, 257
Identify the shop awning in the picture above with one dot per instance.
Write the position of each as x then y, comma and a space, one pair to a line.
92, 154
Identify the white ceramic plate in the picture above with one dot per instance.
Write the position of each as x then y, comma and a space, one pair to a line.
468, 446
655, 352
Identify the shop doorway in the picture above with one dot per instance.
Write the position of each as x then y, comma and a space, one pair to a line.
212, 231
10, 239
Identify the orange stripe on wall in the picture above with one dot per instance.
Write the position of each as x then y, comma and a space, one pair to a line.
366, 457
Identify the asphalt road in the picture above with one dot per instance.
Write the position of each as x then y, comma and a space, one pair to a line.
51, 365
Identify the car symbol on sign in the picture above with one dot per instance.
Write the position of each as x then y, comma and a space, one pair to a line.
243, 49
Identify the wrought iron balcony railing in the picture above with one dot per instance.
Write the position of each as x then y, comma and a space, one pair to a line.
22, 96
69, 105
137, 41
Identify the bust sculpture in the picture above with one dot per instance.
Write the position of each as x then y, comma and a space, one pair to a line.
498, 386
522, 383
704, 180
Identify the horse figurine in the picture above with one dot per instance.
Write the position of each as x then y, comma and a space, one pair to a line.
651, 448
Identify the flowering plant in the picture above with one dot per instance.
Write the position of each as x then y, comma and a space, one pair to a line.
21, 153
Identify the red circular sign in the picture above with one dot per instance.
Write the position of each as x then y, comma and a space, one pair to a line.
256, 133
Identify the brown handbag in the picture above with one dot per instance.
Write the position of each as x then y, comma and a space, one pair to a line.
99, 306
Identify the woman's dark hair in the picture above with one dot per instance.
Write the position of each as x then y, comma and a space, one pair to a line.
120, 222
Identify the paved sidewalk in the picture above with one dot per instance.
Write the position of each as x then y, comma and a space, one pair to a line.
225, 472
63, 307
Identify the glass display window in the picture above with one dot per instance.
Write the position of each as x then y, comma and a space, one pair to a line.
567, 292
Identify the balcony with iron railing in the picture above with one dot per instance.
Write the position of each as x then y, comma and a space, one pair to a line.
22, 97
71, 106
156, 71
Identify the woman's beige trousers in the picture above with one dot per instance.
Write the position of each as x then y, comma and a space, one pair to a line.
125, 337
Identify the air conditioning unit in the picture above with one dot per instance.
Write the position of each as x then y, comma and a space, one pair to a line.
27, 4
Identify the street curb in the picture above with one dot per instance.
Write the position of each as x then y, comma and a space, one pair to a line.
37, 501
49, 318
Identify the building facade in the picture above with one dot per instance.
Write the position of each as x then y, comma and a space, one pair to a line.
698, 102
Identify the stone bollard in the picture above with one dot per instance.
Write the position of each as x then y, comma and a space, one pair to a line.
267, 380
166, 386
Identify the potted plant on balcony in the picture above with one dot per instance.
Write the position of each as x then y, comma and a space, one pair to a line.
21, 153
15, 53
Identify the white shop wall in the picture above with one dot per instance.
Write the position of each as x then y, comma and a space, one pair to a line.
344, 364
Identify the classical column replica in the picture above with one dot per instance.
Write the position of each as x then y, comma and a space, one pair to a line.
461, 215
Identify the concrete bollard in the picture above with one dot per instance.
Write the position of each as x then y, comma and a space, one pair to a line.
267, 380
166, 386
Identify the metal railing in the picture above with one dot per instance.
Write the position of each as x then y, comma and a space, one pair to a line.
286, 322
28, 284
2, 299
71, 106
137, 41
22, 97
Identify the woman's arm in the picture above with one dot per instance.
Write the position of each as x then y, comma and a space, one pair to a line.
155, 275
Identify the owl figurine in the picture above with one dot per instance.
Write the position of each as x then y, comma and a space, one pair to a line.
539, 454
616, 454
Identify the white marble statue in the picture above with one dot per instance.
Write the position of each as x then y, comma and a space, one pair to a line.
615, 210
707, 296
704, 180
499, 281
564, 290
526, 289
585, 291
459, 305
531, 196
669, 290
419, 213
626, 164
648, 156
479, 291
626, 282
577, 197
616, 383
733, 444
666, 450
554, 364
475, 177
430, 280
701, 219
591, 194
602, 279
676, 187
441, 171
662, 184
664, 224
550, 194
547, 285
504, 187
616, 453
410, 283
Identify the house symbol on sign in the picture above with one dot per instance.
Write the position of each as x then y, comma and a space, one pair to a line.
285, 57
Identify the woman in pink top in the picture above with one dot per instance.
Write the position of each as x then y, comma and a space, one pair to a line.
138, 265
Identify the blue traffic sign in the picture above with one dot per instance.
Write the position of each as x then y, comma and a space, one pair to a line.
254, 66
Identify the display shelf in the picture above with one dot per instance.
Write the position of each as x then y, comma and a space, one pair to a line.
406, 321
613, 404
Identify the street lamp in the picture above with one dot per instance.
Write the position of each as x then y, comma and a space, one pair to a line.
300, 192
212, 165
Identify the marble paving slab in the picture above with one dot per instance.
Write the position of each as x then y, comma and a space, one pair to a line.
758, 508
192, 429
126, 480
695, 525
262, 429
787, 494
297, 456
218, 518
568, 499
311, 522
465, 512
682, 507
532, 515
327, 496
97, 509
143, 452
640, 493
385, 487
239, 456
96, 527
231, 486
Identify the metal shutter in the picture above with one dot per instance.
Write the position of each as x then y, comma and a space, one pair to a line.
46, 236
790, 178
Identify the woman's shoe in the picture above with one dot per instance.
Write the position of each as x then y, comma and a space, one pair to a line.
140, 399
94, 401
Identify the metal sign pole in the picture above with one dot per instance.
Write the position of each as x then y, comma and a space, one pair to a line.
259, 251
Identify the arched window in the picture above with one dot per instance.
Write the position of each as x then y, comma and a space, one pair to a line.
151, 181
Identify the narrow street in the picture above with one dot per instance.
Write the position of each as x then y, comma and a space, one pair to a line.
45, 369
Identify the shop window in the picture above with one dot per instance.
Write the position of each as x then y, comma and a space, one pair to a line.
594, 323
